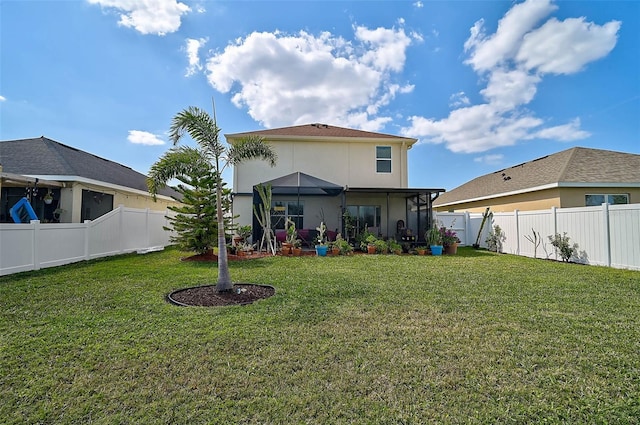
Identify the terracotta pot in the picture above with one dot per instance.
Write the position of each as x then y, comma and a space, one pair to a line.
286, 248
371, 249
421, 251
451, 249
335, 251
296, 251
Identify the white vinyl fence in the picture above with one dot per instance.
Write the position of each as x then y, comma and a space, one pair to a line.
35, 245
607, 235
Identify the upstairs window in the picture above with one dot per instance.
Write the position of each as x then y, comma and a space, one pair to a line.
599, 199
383, 159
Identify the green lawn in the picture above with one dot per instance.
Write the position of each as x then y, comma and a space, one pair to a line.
472, 338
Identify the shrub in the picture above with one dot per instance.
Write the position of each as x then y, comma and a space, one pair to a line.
562, 246
495, 239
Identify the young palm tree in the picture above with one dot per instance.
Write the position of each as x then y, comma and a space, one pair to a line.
212, 155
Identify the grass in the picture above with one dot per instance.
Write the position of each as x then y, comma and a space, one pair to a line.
472, 338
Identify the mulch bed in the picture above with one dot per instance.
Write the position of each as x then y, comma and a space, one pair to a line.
207, 296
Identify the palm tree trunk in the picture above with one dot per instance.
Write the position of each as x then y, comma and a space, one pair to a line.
224, 278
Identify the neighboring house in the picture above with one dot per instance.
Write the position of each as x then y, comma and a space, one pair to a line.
575, 177
324, 173
67, 185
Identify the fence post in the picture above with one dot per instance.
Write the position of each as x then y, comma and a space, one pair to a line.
147, 229
554, 217
606, 234
467, 228
121, 227
87, 237
517, 217
36, 244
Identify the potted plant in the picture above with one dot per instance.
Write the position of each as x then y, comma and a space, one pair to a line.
421, 250
292, 236
434, 239
297, 248
369, 244
450, 240
343, 245
395, 247
381, 246
321, 246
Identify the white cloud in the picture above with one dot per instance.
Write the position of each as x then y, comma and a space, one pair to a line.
291, 79
459, 99
513, 61
144, 138
192, 47
564, 133
476, 128
487, 52
158, 17
491, 159
566, 47
418, 4
2, 98
508, 89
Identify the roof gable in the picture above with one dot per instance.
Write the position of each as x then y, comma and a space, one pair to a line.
318, 131
575, 165
43, 156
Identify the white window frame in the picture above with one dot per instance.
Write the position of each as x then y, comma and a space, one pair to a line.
607, 197
383, 159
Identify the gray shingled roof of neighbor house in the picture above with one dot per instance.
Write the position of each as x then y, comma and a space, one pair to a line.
318, 131
45, 157
569, 167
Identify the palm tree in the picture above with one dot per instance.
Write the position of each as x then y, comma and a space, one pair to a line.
212, 156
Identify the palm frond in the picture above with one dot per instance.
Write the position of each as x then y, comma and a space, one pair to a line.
199, 125
252, 147
176, 162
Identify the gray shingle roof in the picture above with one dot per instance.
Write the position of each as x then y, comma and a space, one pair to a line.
43, 156
575, 165
317, 130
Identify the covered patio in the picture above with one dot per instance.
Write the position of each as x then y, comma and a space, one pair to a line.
307, 200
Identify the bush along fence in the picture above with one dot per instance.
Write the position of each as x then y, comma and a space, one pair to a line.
34, 246
605, 235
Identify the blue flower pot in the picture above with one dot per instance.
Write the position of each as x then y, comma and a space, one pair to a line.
321, 250
436, 249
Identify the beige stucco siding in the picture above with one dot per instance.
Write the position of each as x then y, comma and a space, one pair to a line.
524, 202
342, 163
560, 197
575, 196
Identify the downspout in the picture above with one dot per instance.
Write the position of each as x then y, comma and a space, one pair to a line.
343, 195
387, 215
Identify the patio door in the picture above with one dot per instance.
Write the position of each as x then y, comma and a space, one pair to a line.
418, 217
364, 217
283, 210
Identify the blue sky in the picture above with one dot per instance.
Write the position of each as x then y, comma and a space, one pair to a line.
483, 85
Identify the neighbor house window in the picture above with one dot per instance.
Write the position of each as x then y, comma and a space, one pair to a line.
599, 199
283, 210
383, 159
95, 204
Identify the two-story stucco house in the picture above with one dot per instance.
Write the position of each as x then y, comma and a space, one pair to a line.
325, 173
